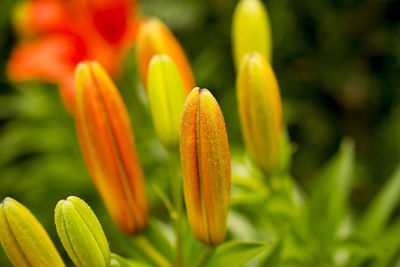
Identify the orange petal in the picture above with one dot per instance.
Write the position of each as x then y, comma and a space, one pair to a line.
40, 17
110, 18
48, 16
155, 38
108, 147
206, 166
50, 58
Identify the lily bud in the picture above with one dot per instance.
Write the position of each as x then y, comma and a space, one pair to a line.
206, 166
108, 146
155, 38
166, 98
24, 239
251, 31
81, 233
260, 111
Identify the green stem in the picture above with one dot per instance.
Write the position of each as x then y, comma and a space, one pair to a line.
204, 256
176, 186
143, 244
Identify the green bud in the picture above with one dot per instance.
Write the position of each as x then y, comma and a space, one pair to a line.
81, 233
24, 239
166, 98
251, 31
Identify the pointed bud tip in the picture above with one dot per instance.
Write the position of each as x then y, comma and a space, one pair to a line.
7, 201
159, 58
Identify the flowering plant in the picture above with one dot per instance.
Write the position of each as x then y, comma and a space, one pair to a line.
158, 151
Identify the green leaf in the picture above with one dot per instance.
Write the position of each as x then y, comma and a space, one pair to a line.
389, 245
286, 151
236, 253
273, 258
328, 200
380, 210
118, 261
159, 240
152, 241
191, 246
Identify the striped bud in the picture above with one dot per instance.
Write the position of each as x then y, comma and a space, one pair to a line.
251, 31
108, 146
206, 166
260, 111
155, 38
81, 233
24, 239
166, 98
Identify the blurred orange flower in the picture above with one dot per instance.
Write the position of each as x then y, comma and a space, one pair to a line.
56, 35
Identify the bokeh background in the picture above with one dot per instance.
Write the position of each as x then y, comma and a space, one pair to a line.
336, 61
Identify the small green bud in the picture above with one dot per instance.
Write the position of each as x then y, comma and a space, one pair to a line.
251, 31
81, 233
24, 239
166, 98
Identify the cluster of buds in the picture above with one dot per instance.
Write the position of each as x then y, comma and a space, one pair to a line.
27, 243
196, 127
108, 145
260, 108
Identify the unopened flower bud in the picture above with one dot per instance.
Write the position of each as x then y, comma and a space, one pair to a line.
24, 239
206, 166
251, 31
108, 146
166, 98
260, 111
81, 233
155, 38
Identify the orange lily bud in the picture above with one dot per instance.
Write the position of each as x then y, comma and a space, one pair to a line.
260, 111
155, 38
108, 146
206, 166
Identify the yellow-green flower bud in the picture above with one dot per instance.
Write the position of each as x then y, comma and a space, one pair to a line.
24, 239
260, 111
81, 233
166, 98
251, 31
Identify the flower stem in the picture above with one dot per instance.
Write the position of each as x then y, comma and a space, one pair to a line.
176, 186
143, 244
204, 256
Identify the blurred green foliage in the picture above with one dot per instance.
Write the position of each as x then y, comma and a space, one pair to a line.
337, 63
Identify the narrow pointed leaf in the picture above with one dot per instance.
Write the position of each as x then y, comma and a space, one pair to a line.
236, 253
